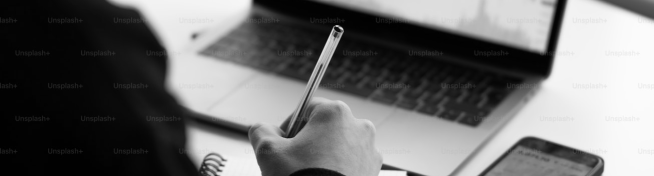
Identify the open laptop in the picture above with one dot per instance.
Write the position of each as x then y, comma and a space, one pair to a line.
437, 78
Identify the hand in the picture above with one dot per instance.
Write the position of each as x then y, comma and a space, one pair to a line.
332, 139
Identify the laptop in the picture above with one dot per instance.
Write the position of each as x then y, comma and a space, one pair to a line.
437, 78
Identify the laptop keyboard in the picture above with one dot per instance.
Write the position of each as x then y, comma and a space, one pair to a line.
426, 85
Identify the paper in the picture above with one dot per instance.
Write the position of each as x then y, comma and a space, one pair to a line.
249, 167
392, 173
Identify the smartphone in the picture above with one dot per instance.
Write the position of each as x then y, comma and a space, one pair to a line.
532, 156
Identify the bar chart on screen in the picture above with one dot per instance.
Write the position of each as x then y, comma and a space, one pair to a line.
523, 24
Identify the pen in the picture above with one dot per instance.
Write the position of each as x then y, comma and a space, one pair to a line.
299, 119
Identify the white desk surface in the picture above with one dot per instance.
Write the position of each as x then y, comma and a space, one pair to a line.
584, 57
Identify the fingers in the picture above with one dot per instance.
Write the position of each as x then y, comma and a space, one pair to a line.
368, 125
323, 110
369, 131
265, 137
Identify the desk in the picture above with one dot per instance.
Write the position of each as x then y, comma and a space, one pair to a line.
587, 55
602, 45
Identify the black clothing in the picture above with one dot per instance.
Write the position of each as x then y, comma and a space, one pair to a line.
83, 93
316, 172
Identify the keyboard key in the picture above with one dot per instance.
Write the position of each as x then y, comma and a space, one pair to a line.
407, 104
414, 83
378, 63
393, 78
357, 60
354, 68
333, 73
336, 63
478, 89
471, 120
472, 99
434, 88
294, 71
372, 84
413, 94
493, 98
480, 113
453, 93
390, 89
432, 98
429, 109
352, 78
399, 68
451, 114
268, 65
470, 111
385, 98
373, 73
451, 104
497, 84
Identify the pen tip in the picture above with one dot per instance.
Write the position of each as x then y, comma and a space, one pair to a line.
338, 28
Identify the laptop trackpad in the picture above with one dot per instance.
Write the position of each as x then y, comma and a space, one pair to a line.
271, 99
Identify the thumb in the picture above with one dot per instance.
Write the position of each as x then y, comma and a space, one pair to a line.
264, 136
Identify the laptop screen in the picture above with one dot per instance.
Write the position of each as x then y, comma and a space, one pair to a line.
522, 24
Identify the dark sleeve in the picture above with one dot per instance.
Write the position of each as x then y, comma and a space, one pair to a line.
316, 172
85, 93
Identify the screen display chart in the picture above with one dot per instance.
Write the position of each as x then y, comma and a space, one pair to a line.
523, 24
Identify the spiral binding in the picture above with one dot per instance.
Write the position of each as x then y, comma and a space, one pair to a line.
212, 165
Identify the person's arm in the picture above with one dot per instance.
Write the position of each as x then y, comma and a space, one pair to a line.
95, 121
332, 142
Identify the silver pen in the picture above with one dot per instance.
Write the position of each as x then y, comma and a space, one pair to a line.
299, 118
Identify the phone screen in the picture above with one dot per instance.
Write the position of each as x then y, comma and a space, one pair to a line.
532, 157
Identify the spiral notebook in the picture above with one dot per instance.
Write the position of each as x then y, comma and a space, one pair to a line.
218, 165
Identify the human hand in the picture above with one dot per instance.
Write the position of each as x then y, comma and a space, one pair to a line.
331, 139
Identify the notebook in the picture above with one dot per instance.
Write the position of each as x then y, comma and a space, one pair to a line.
215, 164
